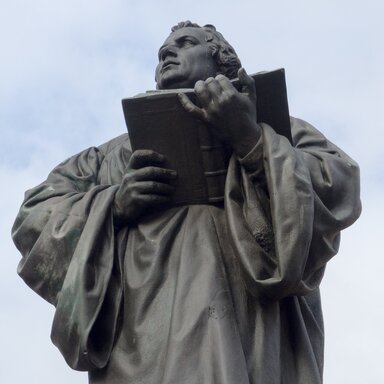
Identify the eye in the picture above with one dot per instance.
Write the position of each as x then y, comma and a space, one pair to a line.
187, 42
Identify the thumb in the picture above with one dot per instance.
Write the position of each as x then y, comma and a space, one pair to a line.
247, 83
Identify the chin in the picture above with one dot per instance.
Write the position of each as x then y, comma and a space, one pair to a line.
173, 82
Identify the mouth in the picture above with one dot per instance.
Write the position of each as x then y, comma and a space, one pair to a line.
168, 64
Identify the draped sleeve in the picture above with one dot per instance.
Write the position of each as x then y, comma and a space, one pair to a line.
65, 233
286, 205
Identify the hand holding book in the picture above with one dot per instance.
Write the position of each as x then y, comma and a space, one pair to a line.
230, 114
146, 184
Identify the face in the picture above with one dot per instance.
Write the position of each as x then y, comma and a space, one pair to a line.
184, 58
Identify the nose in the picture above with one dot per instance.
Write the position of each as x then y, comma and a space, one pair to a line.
169, 50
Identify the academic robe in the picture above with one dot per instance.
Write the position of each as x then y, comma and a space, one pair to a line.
195, 294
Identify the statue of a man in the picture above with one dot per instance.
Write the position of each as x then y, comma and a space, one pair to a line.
216, 293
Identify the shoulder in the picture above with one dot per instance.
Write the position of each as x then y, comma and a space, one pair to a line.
92, 159
114, 144
95, 155
304, 134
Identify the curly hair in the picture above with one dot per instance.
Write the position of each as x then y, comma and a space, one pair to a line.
228, 62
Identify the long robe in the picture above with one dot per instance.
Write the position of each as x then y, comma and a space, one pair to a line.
218, 294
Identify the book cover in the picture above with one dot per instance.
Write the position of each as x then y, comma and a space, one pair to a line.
156, 120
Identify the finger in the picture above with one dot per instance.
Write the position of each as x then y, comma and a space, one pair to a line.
145, 157
225, 83
214, 88
190, 107
153, 174
247, 83
153, 188
203, 92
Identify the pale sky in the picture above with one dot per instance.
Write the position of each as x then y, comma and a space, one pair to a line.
64, 68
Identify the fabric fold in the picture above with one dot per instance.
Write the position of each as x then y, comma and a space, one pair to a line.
283, 252
199, 293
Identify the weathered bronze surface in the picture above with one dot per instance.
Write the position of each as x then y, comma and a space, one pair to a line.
214, 293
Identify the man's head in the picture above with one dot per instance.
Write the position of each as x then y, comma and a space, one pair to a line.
193, 53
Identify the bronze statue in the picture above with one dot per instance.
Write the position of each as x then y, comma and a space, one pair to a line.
217, 293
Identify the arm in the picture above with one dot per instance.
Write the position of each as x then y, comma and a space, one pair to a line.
285, 205
311, 192
52, 219
66, 233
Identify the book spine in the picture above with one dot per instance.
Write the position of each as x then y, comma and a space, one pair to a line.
215, 158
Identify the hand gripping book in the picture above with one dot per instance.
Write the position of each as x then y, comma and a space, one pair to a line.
156, 120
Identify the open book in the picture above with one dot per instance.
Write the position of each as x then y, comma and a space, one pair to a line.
156, 120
